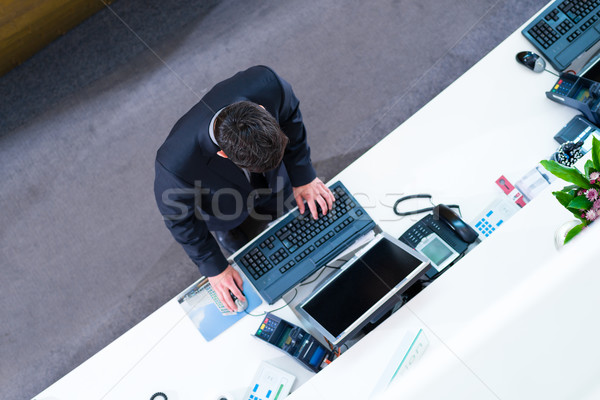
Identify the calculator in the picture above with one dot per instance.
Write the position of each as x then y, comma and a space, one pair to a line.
494, 215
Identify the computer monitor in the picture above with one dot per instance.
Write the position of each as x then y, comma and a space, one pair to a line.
367, 286
591, 70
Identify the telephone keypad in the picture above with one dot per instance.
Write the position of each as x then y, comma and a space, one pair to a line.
428, 225
417, 234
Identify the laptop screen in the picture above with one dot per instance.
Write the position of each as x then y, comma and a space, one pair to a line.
379, 274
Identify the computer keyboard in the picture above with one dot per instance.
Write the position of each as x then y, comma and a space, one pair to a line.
565, 30
298, 244
298, 232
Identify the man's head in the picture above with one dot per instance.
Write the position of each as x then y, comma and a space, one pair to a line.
250, 137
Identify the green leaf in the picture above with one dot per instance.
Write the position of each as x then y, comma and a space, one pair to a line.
564, 198
577, 214
574, 192
571, 189
566, 173
596, 153
580, 203
573, 232
589, 167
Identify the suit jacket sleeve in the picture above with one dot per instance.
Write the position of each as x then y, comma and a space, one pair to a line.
176, 202
297, 154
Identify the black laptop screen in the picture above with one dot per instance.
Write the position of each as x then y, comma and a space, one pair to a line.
355, 290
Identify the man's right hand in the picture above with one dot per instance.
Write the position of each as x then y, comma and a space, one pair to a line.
314, 192
228, 280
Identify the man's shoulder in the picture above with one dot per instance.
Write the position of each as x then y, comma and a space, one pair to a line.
258, 84
258, 74
187, 147
260, 70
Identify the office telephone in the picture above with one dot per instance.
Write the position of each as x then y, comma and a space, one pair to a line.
442, 236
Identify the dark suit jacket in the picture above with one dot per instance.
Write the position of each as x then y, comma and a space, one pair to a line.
196, 190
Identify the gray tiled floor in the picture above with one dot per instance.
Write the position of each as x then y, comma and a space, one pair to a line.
84, 254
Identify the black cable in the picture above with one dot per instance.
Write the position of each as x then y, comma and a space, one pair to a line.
412, 196
318, 276
420, 210
547, 70
277, 309
158, 394
295, 294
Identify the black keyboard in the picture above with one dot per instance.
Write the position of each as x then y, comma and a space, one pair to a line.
297, 233
298, 244
565, 30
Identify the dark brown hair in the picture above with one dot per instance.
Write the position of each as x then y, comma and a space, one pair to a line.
250, 136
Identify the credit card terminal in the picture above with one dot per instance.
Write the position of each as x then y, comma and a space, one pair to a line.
579, 93
293, 340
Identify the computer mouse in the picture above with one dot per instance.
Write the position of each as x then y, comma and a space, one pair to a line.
241, 304
531, 61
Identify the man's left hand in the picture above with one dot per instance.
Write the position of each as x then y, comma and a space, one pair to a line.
314, 192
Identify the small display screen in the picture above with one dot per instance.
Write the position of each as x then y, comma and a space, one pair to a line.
350, 295
436, 251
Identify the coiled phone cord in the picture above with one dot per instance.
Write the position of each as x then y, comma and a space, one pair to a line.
420, 210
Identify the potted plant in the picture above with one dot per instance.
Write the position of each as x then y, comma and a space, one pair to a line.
582, 198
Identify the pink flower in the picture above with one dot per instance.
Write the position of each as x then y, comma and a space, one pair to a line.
591, 194
596, 205
580, 192
591, 215
594, 176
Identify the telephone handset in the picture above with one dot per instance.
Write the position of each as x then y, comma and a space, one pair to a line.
442, 237
460, 227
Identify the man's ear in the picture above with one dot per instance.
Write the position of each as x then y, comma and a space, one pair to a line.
222, 154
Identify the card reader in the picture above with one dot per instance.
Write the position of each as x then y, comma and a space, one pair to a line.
579, 93
293, 340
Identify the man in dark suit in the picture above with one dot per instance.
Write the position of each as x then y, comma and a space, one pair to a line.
241, 150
